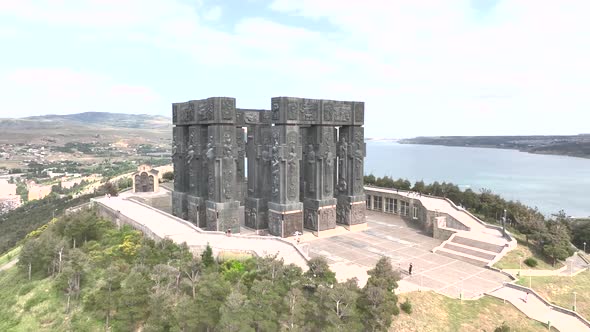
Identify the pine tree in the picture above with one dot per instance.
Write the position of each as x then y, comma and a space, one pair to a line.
207, 257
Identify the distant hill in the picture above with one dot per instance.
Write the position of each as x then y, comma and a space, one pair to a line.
119, 120
574, 146
86, 127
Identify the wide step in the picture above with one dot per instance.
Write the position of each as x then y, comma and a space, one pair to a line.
469, 251
461, 258
584, 257
478, 244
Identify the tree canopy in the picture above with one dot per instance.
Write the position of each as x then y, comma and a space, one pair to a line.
128, 282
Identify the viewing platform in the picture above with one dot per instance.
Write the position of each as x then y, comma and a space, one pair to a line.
465, 236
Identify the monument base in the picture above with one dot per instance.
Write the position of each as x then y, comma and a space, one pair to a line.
350, 210
320, 215
285, 220
223, 216
197, 211
179, 204
357, 227
256, 213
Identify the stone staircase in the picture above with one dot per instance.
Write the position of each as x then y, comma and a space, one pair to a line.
476, 252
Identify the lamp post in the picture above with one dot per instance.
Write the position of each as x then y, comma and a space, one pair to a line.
574, 301
461, 291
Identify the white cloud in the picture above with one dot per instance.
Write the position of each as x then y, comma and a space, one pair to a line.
213, 14
62, 91
439, 64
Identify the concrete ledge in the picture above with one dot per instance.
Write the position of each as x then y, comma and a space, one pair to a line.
512, 277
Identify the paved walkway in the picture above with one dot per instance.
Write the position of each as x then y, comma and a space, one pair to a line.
167, 226
8, 265
573, 266
535, 308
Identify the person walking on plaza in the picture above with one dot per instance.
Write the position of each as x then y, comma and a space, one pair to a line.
410, 269
526, 297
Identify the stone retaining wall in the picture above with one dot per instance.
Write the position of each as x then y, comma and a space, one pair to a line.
119, 219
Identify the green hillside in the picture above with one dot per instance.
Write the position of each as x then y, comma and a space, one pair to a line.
86, 275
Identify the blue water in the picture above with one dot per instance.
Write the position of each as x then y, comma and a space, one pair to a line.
550, 183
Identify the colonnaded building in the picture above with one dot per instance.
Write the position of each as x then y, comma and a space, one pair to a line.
298, 165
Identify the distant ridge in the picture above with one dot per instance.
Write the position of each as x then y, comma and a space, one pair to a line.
118, 120
567, 145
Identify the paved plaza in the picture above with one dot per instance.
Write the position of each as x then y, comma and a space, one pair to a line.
388, 235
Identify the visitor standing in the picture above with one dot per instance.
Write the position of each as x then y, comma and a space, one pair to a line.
298, 236
410, 269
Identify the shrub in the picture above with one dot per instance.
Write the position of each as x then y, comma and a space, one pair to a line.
36, 300
503, 328
168, 176
25, 289
531, 262
406, 306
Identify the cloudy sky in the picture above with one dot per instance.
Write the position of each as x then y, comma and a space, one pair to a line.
479, 67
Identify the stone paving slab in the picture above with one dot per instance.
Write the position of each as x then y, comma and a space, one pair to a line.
390, 236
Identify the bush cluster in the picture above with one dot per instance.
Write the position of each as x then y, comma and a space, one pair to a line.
531, 262
406, 306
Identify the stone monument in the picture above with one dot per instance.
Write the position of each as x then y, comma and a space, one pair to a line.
304, 157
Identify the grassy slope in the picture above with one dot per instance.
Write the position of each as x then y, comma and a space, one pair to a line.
523, 251
434, 312
36, 306
559, 290
10, 255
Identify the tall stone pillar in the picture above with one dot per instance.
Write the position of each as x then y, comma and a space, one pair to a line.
304, 138
259, 155
351, 197
180, 136
197, 165
222, 152
240, 165
285, 209
319, 203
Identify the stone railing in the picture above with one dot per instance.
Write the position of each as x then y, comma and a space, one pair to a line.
483, 223
547, 303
